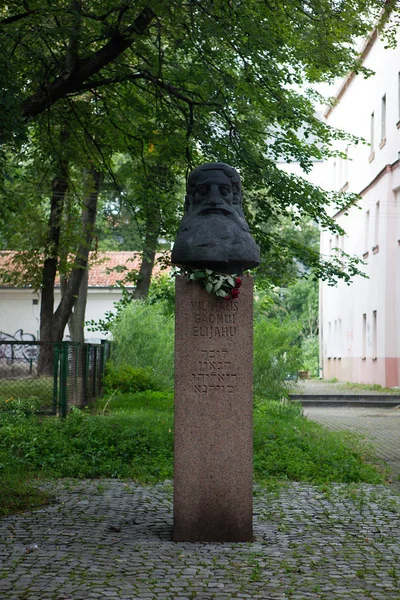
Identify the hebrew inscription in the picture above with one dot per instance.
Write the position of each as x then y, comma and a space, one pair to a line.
214, 373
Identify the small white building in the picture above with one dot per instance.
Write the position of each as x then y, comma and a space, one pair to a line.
20, 307
360, 323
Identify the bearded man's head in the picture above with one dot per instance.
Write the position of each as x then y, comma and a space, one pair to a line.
213, 233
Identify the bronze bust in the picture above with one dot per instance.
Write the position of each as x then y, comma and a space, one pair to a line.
213, 233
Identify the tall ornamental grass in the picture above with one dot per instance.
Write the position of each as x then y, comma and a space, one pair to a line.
144, 338
277, 357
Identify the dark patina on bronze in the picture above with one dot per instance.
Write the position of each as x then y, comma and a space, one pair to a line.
213, 233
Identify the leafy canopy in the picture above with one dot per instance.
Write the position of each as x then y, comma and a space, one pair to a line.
175, 83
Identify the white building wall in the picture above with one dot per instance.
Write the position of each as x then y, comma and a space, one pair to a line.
20, 310
370, 351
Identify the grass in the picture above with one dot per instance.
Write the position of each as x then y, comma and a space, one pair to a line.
33, 387
131, 436
373, 387
288, 446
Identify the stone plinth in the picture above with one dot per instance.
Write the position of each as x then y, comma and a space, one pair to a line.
213, 500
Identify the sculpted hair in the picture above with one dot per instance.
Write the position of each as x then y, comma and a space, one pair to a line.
226, 169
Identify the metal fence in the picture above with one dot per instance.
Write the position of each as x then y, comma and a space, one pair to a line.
56, 375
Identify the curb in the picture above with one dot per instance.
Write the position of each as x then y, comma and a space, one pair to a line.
373, 401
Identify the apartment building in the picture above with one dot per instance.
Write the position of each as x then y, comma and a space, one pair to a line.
360, 323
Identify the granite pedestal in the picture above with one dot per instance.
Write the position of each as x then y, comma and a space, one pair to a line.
213, 499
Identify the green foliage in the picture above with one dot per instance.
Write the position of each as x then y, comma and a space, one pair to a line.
22, 406
288, 446
162, 292
127, 379
144, 338
221, 285
177, 83
147, 400
310, 355
134, 438
35, 389
138, 445
18, 488
277, 356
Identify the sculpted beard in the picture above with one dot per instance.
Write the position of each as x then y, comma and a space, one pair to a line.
213, 233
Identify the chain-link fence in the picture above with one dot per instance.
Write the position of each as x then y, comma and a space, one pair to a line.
52, 376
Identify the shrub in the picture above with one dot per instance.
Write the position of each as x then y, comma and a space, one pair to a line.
136, 441
23, 406
277, 357
310, 352
144, 338
127, 379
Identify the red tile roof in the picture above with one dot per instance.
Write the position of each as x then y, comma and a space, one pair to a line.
103, 271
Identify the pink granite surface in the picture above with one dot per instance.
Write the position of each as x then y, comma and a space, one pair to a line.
213, 415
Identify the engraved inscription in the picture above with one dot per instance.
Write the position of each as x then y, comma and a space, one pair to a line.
230, 305
214, 373
212, 332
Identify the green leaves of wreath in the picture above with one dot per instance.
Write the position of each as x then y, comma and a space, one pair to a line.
221, 285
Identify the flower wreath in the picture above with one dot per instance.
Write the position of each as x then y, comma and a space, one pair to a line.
222, 285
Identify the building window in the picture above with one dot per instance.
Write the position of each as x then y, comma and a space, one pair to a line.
376, 228
337, 241
364, 336
329, 339
346, 167
366, 231
374, 335
335, 339
372, 134
383, 118
398, 100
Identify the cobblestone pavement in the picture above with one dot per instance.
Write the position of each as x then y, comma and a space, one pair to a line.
111, 539
380, 426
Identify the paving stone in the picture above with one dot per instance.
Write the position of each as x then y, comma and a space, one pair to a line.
338, 544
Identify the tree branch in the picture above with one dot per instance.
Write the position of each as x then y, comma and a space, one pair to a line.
68, 83
14, 18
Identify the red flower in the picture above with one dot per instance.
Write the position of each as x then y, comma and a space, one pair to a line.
235, 293
227, 297
238, 282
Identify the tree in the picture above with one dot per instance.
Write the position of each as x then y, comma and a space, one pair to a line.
182, 81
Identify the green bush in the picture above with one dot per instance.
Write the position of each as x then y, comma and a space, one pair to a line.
144, 338
277, 356
127, 379
24, 406
135, 440
310, 354
138, 445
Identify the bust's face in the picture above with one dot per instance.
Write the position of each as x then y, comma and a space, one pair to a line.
213, 193
213, 233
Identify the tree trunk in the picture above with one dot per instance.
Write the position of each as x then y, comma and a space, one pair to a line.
76, 321
59, 186
153, 222
68, 299
52, 325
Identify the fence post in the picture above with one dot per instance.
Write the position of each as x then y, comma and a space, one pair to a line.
63, 378
85, 374
102, 363
56, 359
